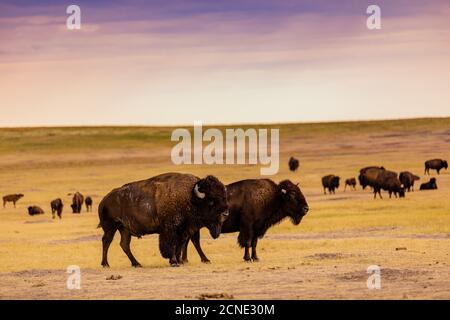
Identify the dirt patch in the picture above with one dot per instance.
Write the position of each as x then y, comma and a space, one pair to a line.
324, 256
386, 274
38, 221
78, 240
209, 296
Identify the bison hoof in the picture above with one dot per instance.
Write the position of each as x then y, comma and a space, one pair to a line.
206, 261
137, 265
174, 264
255, 259
105, 265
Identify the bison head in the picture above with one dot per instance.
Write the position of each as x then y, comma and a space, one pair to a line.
444, 164
210, 197
335, 181
293, 203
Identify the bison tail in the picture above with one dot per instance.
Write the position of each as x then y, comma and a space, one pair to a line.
241, 241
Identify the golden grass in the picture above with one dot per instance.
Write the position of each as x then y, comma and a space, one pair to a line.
354, 229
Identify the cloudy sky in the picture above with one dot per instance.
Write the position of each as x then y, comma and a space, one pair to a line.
223, 61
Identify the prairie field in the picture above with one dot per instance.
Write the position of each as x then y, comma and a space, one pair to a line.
325, 257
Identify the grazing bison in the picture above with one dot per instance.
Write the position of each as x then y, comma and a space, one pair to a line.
57, 207
351, 183
435, 164
293, 164
367, 176
88, 202
430, 185
407, 179
330, 182
12, 198
255, 206
388, 181
174, 205
77, 202
34, 210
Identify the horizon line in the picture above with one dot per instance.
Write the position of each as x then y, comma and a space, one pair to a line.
219, 124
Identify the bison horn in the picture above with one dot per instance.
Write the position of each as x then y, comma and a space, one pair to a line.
199, 194
283, 190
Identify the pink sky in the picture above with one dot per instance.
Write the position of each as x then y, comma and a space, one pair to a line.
222, 66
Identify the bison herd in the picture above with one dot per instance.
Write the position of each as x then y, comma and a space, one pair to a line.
176, 206
379, 178
55, 205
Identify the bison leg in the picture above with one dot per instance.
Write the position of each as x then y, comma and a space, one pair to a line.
254, 255
106, 240
196, 241
125, 240
184, 257
244, 240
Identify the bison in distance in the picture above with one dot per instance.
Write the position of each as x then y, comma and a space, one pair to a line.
435, 164
255, 205
407, 179
35, 210
293, 164
12, 198
330, 182
57, 207
430, 185
174, 205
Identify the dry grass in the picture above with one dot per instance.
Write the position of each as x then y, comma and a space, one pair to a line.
325, 257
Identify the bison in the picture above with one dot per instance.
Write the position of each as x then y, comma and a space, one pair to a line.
34, 210
330, 182
255, 205
388, 180
293, 164
12, 198
435, 164
407, 179
367, 176
430, 185
88, 203
351, 183
174, 205
77, 202
57, 207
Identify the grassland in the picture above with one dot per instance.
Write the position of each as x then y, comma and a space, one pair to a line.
326, 256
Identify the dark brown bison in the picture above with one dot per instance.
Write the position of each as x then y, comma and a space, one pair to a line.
388, 181
12, 198
430, 185
330, 182
435, 164
34, 210
255, 206
174, 205
407, 179
351, 183
293, 164
77, 202
367, 176
57, 207
88, 203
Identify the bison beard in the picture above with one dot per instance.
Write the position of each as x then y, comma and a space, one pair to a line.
255, 206
174, 205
